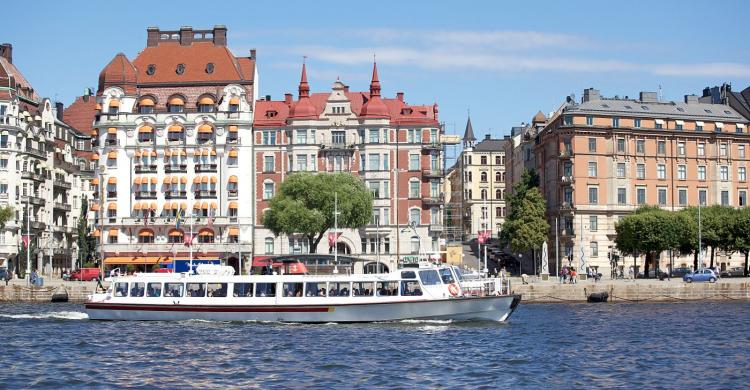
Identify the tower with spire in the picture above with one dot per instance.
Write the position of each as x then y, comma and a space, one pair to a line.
469, 139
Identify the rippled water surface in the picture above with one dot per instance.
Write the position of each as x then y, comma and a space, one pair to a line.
671, 345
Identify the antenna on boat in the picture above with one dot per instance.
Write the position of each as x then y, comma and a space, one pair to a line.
335, 232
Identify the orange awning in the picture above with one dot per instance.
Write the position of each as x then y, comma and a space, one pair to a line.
205, 233
167, 153
205, 128
234, 100
95, 207
233, 179
146, 129
175, 129
137, 181
112, 206
204, 179
166, 180
213, 205
213, 179
183, 206
204, 205
137, 260
95, 181
213, 153
137, 206
232, 205
233, 231
146, 102
206, 100
174, 180
153, 205
94, 132
233, 153
183, 180
96, 233
114, 103
112, 154
197, 180
145, 233
197, 205
112, 180
233, 128
153, 153
98, 107
183, 152
113, 231
154, 180
175, 233
198, 153
167, 206
137, 154
95, 157
112, 130
176, 101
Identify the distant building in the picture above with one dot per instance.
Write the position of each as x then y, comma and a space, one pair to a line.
739, 101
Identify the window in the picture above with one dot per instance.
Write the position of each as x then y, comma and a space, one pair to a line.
499, 160
725, 198
3, 163
681, 172
636, 123
615, 122
374, 163
702, 197
268, 190
640, 146
640, 171
301, 137
268, 164
742, 199
701, 148
483, 177
589, 120
640, 195
724, 172
662, 196
621, 170
265, 289
621, 196
678, 125
682, 196
568, 120
661, 171
374, 135
174, 290
338, 137
592, 169
414, 189
594, 249
568, 195
661, 147
483, 160
621, 145
154, 290
483, 194
269, 245
592, 144
499, 177
302, 162
413, 162
593, 223
499, 194
681, 148
269, 137
742, 174
701, 172
722, 150
659, 124
741, 151
593, 195
243, 290
567, 169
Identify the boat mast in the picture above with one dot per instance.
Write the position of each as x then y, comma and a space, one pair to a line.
335, 232
700, 251
191, 245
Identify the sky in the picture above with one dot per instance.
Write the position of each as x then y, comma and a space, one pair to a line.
501, 61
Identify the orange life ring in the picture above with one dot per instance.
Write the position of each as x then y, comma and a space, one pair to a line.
453, 289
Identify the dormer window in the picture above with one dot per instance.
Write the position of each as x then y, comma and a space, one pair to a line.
234, 104
206, 104
176, 104
114, 107
406, 111
151, 69
146, 105
210, 68
271, 113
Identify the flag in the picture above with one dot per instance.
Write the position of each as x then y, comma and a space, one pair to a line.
179, 218
332, 238
147, 216
483, 236
189, 239
210, 219
25, 238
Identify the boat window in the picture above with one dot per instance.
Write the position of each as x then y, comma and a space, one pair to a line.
173, 289
410, 287
315, 289
338, 289
292, 289
408, 275
363, 289
458, 273
196, 289
446, 275
137, 289
429, 277
387, 288
121, 289
243, 289
154, 290
217, 290
265, 289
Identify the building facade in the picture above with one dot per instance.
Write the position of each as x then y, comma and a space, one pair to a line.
173, 140
39, 175
600, 159
394, 147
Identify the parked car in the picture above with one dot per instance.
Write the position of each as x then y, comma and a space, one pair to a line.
701, 275
85, 274
733, 272
3, 273
652, 274
680, 272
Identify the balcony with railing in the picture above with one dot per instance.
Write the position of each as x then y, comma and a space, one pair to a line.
37, 225
111, 194
203, 194
36, 153
66, 166
62, 184
432, 173
566, 154
146, 168
29, 175
337, 146
432, 200
175, 168
431, 146
35, 200
205, 167
566, 206
567, 232
567, 179
175, 194
62, 206
145, 194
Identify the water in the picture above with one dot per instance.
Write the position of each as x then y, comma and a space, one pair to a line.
670, 345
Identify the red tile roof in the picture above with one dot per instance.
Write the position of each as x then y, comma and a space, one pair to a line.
119, 72
22, 86
80, 115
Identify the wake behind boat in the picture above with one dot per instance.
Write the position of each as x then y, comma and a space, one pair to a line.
215, 293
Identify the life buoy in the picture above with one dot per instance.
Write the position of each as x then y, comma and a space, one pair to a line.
453, 289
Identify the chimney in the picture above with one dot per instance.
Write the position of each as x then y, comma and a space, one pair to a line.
59, 107
590, 94
186, 36
152, 34
220, 35
346, 89
400, 96
691, 99
648, 97
487, 136
6, 51
288, 98
268, 98
252, 54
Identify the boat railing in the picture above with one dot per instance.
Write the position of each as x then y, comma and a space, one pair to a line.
481, 287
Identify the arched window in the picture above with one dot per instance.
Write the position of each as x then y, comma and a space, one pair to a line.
205, 133
483, 194
146, 105
414, 244
498, 194
175, 133
206, 103
269, 245
176, 104
483, 177
498, 177
176, 236
146, 236
206, 236
469, 176
470, 196
234, 104
415, 216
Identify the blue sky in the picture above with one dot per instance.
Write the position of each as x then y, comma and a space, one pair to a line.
502, 60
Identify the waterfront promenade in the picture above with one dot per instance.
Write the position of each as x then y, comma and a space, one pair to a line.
537, 291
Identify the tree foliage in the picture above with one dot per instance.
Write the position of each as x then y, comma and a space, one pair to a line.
6, 214
86, 243
650, 230
22, 250
526, 227
304, 205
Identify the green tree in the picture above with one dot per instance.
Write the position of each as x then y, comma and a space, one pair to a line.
650, 231
86, 243
687, 219
304, 205
715, 228
526, 227
739, 227
22, 250
6, 213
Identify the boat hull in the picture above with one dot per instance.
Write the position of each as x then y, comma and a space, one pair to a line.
489, 308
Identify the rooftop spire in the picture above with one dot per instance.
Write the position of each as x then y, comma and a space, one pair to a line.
375, 83
469, 133
304, 88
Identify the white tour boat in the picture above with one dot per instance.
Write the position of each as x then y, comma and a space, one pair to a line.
432, 292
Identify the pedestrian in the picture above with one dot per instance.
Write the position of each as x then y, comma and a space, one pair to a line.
573, 276
564, 275
630, 272
8, 275
503, 273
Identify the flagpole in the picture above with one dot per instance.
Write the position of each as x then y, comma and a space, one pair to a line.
28, 242
335, 232
191, 245
377, 239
